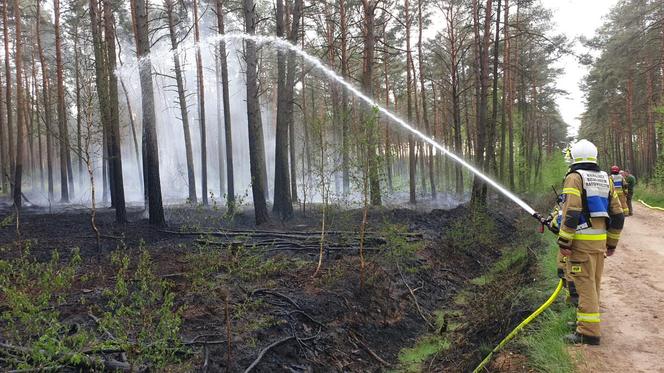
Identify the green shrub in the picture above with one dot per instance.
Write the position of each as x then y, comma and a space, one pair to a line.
141, 315
478, 230
31, 294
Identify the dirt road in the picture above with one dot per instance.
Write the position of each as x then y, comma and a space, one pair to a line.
632, 301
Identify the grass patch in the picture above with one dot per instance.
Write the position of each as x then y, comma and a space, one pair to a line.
507, 260
544, 344
650, 193
411, 359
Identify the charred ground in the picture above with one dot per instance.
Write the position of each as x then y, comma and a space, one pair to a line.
429, 296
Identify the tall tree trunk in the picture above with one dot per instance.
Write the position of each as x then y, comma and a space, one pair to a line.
412, 160
20, 120
290, 93
345, 116
101, 76
255, 127
330, 29
369, 8
388, 145
201, 107
114, 116
651, 139
4, 155
505, 97
61, 108
629, 125
221, 155
482, 80
510, 93
8, 92
30, 115
493, 124
425, 114
182, 100
35, 126
455, 60
283, 205
151, 146
79, 115
230, 182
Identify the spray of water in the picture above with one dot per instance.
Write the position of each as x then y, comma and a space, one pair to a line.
283, 44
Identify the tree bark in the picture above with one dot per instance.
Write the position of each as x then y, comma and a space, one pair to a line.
493, 124
184, 111
412, 160
79, 122
482, 81
61, 108
151, 146
115, 147
283, 205
255, 127
4, 155
425, 114
369, 8
629, 125
388, 145
510, 95
230, 182
20, 125
201, 107
455, 60
345, 113
8, 94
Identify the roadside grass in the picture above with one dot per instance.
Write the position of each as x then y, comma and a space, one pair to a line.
542, 342
544, 345
650, 193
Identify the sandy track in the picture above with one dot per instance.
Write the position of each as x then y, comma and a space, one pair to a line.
632, 301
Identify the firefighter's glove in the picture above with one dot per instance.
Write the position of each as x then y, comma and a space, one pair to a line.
610, 250
566, 252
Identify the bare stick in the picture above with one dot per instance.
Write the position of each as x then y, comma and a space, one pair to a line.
412, 294
265, 350
274, 293
368, 349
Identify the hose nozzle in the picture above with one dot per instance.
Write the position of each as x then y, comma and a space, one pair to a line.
545, 222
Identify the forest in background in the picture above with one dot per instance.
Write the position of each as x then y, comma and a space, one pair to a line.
625, 89
476, 76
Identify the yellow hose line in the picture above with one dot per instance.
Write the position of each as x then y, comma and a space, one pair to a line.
651, 207
520, 326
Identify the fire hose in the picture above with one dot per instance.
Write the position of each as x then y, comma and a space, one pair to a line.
545, 222
651, 207
520, 326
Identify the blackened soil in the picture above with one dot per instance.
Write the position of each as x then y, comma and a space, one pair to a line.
344, 319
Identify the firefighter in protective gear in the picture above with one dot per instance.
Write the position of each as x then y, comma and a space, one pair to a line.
590, 229
619, 184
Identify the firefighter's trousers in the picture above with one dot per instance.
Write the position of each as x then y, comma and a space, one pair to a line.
568, 282
585, 270
623, 202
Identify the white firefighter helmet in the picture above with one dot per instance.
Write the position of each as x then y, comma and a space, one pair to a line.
584, 152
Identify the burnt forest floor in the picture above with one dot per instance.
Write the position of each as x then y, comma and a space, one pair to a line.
432, 291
